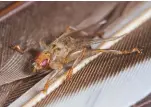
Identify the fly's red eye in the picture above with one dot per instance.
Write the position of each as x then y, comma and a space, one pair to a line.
44, 63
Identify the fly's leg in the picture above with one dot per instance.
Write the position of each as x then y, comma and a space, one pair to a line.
17, 48
70, 29
76, 62
91, 52
50, 80
118, 51
57, 66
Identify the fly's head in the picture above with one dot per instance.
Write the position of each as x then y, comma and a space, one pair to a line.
42, 61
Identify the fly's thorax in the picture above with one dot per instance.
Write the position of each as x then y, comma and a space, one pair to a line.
59, 49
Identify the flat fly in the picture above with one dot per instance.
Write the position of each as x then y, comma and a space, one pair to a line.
72, 46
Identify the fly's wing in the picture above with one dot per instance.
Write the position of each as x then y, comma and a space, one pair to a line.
89, 38
80, 33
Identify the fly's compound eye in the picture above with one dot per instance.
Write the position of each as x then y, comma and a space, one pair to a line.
44, 62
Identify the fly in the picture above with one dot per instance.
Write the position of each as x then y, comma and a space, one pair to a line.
72, 46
